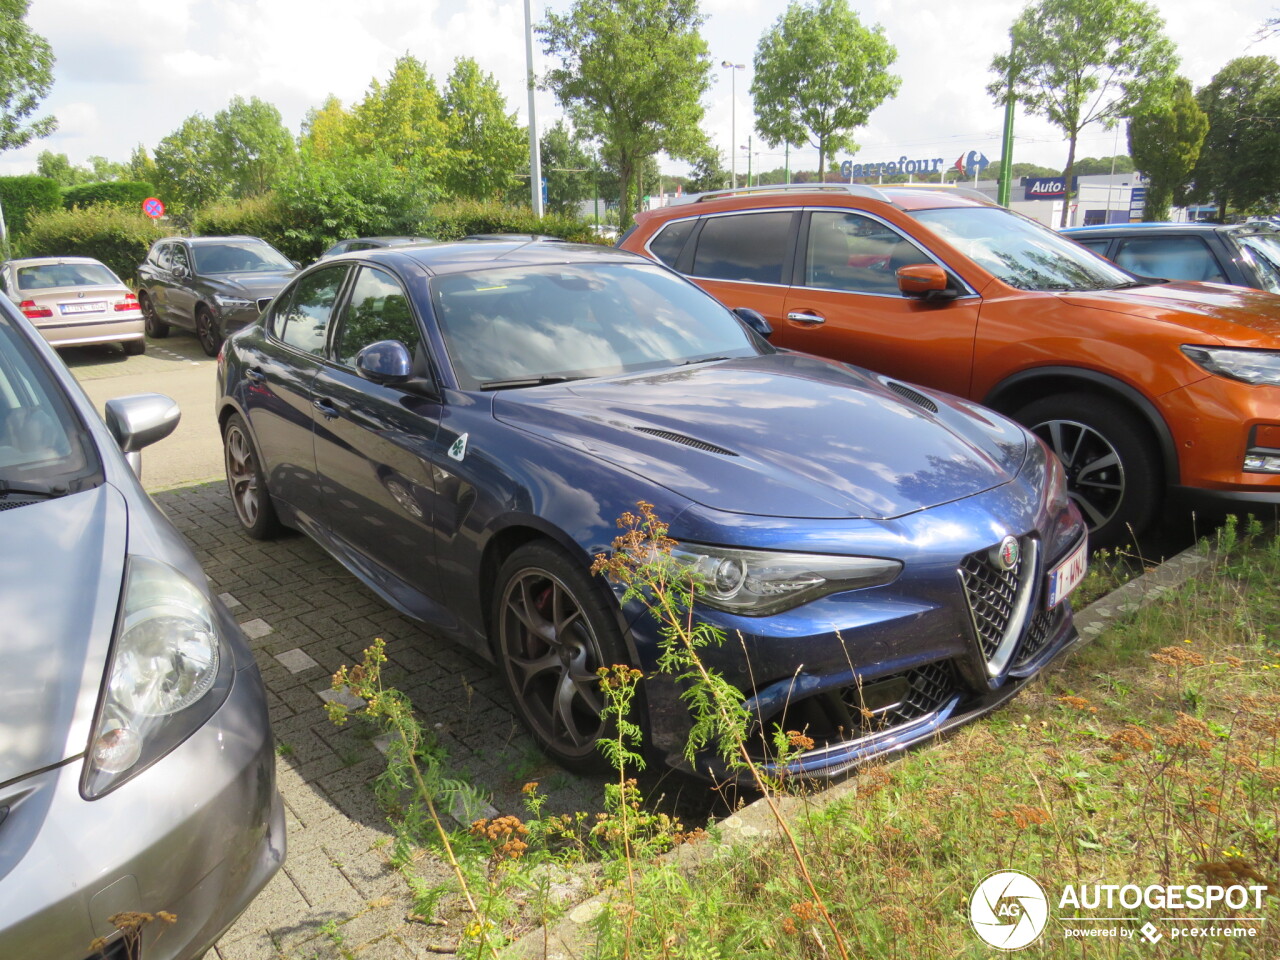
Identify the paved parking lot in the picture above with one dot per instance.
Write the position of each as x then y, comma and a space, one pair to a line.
305, 617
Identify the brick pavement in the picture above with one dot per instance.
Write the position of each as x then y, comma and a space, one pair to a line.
305, 616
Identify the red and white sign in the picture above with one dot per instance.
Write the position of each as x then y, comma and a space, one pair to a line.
153, 208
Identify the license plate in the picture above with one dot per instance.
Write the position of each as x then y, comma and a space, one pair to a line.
92, 306
1067, 575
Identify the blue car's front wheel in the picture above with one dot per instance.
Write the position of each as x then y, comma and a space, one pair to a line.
552, 631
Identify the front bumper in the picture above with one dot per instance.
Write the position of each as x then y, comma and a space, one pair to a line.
198, 834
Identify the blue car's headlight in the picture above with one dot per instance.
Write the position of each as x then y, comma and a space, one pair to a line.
759, 582
168, 673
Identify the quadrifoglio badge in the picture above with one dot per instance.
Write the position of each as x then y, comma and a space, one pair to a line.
1010, 910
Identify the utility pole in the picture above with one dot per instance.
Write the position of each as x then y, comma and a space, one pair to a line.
535, 157
733, 118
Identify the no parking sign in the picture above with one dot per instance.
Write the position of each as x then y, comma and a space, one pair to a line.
153, 208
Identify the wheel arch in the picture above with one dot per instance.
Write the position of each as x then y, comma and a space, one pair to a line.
1020, 389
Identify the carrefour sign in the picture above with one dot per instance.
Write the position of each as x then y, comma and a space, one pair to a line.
971, 165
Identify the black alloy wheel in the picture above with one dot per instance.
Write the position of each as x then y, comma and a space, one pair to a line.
254, 510
553, 628
151, 322
207, 331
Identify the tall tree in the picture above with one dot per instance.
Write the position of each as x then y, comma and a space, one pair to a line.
253, 145
570, 171
189, 172
141, 167
326, 130
632, 74
1165, 141
26, 76
1239, 163
1077, 62
401, 119
818, 75
488, 147
58, 168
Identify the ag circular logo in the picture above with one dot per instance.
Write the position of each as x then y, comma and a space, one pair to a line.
1008, 910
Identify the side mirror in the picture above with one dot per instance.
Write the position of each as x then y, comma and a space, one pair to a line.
755, 320
387, 362
925, 281
139, 421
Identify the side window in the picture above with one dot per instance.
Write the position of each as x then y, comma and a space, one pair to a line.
302, 320
666, 246
376, 310
178, 257
163, 256
1097, 246
847, 251
747, 246
1170, 258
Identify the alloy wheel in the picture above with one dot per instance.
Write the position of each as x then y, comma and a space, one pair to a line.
1095, 471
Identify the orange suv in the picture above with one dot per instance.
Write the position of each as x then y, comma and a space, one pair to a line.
1142, 387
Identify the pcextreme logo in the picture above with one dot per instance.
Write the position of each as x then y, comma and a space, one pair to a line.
1008, 910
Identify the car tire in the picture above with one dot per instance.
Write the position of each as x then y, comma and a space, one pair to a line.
134, 348
550, 667
207, 331
245, 482
1113, 466
151, 321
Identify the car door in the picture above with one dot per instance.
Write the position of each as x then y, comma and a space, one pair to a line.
156, 274
180, 295
1169, 256
374, 444
742, 259
844, 302
279, 367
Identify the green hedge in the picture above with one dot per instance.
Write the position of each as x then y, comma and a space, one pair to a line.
254, 217
122, 192
23, 197
456, 219
119, 236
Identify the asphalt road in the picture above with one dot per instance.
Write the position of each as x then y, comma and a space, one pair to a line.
178, 368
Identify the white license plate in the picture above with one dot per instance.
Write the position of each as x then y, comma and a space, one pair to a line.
1067, 575
92, 306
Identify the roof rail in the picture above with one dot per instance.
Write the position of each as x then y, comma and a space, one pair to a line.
853, 189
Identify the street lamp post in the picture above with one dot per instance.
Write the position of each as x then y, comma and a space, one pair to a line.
733, 118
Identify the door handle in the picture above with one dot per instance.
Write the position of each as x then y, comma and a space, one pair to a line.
804, 316
328, 409
254, 374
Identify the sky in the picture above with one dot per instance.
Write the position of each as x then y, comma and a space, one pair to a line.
128, 72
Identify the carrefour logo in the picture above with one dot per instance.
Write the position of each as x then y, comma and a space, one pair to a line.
1008, 910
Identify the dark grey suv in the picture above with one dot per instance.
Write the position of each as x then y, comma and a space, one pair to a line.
209, 285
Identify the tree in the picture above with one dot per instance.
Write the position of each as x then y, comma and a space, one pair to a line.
142, 169
401, 119
1077, 62
1239, 162
58, 167
569, 170
326, 131
818, 75
26, 76
1165, 141
708, 173
487, 146
252, 145
632, 74
189, 172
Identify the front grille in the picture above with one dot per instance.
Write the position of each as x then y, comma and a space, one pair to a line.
928, 688
687, 441
915, 396
998, 600
1037, 636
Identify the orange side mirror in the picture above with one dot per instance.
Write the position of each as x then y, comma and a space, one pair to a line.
921, 280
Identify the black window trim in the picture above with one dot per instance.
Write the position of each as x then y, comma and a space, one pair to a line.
339, 300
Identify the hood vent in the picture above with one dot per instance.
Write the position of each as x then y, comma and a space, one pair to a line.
915, 396
687, 441
14, 500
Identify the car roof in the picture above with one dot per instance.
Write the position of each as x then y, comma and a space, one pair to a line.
1146, 227
49, 261
201, 240
463, 255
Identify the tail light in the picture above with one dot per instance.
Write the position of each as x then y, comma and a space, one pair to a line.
33, 312
130, 302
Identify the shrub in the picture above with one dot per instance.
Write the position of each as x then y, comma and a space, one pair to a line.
261, 216
118, 236
24, 196
455, 219
122, 192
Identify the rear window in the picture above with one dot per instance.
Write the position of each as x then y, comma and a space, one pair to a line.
46, 276
751, 247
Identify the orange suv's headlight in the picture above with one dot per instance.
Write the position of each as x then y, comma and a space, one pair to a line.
1245, 365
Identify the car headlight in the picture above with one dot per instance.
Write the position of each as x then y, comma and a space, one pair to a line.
759, 582
233, 303
1249, 366
168, 673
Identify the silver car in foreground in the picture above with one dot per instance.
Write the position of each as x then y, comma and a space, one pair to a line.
136, 758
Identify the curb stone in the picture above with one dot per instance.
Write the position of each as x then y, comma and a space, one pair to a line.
573, 936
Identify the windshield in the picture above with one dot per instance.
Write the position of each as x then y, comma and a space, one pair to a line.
42, 442
46, 276
518, 326
1263, 251
245, 256
1021, 252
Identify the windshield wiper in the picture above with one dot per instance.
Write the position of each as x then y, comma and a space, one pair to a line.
524, 382
32, 489
1130, 284
687, 363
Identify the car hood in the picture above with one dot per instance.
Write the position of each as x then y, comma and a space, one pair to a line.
250, 285
783, 435
58, 600
1234, 315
